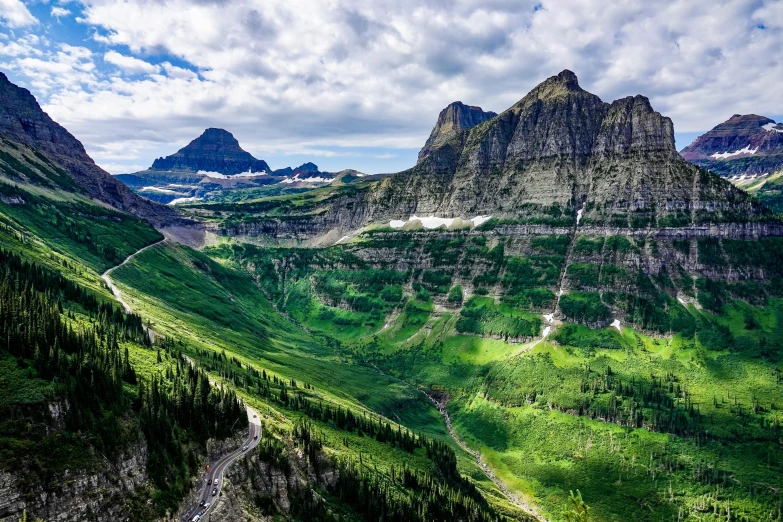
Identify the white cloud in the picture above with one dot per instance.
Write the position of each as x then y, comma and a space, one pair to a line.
58, 12
15, 14
129, 64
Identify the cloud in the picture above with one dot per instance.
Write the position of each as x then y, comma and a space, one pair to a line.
129, 64
312, 76
58, 12
15, 14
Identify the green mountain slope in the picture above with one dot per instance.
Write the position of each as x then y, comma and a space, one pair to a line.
614, 328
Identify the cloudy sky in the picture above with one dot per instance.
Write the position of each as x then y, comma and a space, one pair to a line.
350, 83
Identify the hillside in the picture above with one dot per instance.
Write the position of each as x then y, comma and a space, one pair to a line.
111, 415
37, 150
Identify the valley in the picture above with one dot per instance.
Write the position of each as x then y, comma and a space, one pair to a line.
576, 309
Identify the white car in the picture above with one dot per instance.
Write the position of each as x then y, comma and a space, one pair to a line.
244, 448
196, 518
216, 481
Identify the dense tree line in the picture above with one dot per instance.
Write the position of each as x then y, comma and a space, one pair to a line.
58, 289
178, 412
85, 362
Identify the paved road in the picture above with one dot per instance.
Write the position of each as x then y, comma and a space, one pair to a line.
116, 291
218, 467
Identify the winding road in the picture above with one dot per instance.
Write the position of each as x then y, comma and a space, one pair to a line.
213, 479
216, 469
107, 278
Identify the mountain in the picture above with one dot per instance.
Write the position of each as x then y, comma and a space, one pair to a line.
558, 153
560, 146
615, 312
216, 150
38, 150
742, 145
454, 118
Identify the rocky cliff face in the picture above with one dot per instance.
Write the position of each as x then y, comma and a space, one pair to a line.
558, 154
216, 150
742, 145
100, 495
558, 146
259, 488
23, 123
451, 124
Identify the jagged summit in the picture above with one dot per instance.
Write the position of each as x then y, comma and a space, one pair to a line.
563, 84
454, 118
743, 144
561, 147
216, 150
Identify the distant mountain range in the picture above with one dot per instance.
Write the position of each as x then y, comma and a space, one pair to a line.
743, 145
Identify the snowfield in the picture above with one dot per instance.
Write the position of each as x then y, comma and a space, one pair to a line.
724, 155
158, 189
183, 200
432, 222
771, 127
218, 175
297, 179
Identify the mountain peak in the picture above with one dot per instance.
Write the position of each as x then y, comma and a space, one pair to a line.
561, 84
454, 118
743, 144
215, 150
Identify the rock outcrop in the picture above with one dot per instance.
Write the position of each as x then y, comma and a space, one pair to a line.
102, 494
216, 150
742, 145
23, 122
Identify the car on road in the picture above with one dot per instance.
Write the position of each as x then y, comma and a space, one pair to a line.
214, 492
206, 506
244, 448
255, 436
201, 504
196, 518
216, 481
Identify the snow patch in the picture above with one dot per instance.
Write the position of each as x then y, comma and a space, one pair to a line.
183, 200
432, 222
342, 239
297, 179
546, 331
218, 175
616, 324
579, 215
549, 317
178, 185
771, 127
724, 155
158, 189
